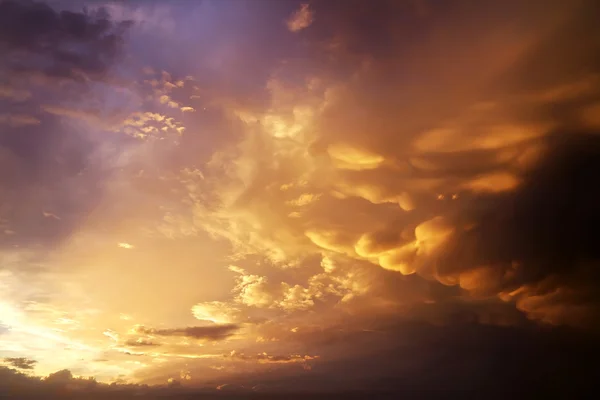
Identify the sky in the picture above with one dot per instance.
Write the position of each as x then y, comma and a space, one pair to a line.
325, 195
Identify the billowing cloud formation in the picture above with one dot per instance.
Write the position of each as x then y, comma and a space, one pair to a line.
322, 195
338, 162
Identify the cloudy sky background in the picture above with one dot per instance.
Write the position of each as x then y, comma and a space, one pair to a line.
291, 194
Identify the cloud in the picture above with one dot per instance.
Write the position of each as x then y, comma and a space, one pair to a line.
15, 121
21, 363
91, 117
346, 177
50, 215
254, 290
149, 125
37, 33
140, 343
532, 245
14, 94
300, 19
217, 312
111, 334
54, 60
330, 283
401, 361
264, 358
215, 332
395, 201
591, 116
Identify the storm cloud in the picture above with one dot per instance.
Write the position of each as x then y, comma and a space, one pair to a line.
301, 196
75, 45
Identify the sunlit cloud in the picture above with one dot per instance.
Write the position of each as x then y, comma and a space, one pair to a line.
216, 311
112, 335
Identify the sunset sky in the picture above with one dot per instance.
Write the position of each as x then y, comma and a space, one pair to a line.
287, 195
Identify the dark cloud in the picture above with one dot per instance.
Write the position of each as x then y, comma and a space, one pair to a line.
53, 162
422, 70
539, 68
214, 332
540, 240
421, 359
62, 376
35, 37
20, 362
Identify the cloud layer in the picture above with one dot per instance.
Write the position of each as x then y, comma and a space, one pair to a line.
292, 196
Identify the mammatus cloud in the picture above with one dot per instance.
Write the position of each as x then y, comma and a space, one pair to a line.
329, 187
548, 278
403, 193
